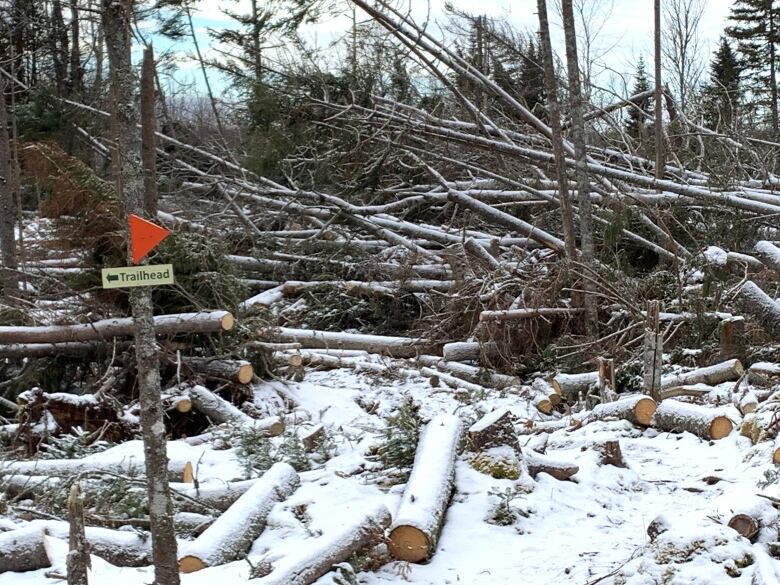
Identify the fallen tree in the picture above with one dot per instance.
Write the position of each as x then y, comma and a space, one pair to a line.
707, 423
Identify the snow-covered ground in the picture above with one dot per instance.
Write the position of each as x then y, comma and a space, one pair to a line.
566, 532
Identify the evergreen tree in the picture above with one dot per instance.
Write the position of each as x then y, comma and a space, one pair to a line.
532, 78
723, 94
636, 125
756, 30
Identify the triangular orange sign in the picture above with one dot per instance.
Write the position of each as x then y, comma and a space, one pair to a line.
144, 236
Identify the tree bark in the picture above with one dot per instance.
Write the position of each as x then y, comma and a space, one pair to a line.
233, 533
538, 463
653, 353
76, 72
492, 430
554, 111
761, 307
585, 212
78, 560
117, 17
711, 375
658, 99
148, 130
420, 516
637, 409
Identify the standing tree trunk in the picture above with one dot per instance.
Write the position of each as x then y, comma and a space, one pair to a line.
117, 17
772, 65
554, 111
59, 46
659, 134
8, 213
75, 49
148, 138
78, 560
585, 214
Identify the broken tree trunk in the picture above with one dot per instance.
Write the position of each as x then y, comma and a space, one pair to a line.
707, 423
106, 329
538, 463
323, 553
607, 380
653, 353
77, 561
420, 516
637, 409
761, 307
492, 430
710, 375
233, 533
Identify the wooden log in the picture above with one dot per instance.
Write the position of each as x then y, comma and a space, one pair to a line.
759, 305
710, 375
544, 388
106, 329
217, 409
731, 332
769, 254
67, 467
71, 349
311, 438
470, 373
764, 374
569, 386
232, 534
637, 409
320, 555
653, 353
718, 257
420, 516
658, 526
523, 314
746, 402
610, 453
77, 561
538, 463
607, 380
23, 549
707, 423
468, 350
493, 429
745, 524
216, 496
392, 346
240, 371
776, 451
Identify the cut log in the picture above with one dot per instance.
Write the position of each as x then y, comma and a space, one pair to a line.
420, 516
122, 327
538, 463
66, 467
492, 430
745, 524
217, 409
711, 375
714, 256
23, 549
240, 371
658, 526
470, 373
776, 451
318, 556
313, 437
72, 349
543, 387
468, 350
217, 496
569, 386
764, 374
769, 254
610, 453
232, 534
707, 423
746, 402
392, 346
761, 307
637, 409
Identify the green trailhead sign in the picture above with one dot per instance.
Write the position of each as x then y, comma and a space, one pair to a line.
127, 276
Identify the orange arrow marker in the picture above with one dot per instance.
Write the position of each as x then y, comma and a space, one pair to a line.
144, 237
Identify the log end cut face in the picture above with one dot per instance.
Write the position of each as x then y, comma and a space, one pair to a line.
746, 525
720, 427
190, 564
227, 322
409, 544
644, 411
245, 373
776, 455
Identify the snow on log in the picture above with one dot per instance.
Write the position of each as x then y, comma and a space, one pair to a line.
711, 375
569, 386
764, 374
769, 254
468, 350
523, 314
219, 496
538, 463
637, 409
420, 515
240, 371
313, 339
23, 549
202, 322
718, 257
467, 372
217, 409
318, 556
543, 387
707, 423
232, 534
492, 430
761, 307
66, 467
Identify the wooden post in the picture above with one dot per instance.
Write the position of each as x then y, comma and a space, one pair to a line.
653, 353
607, 380
77, 561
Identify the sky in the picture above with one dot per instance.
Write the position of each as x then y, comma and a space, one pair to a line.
625, 29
